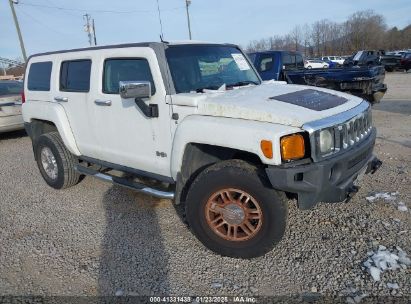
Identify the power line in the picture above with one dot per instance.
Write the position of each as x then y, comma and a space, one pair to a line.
96, 11
41, 23
67, 12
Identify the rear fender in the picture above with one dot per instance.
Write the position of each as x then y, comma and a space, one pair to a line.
54, 113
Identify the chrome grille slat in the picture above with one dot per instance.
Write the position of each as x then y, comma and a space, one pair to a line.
345, 136
337, 138
351, 133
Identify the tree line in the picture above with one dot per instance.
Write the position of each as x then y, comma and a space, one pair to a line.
362, 30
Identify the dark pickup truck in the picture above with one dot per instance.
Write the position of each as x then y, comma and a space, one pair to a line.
370, 58
366, 82
406, 61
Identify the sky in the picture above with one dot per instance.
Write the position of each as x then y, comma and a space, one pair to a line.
235, 21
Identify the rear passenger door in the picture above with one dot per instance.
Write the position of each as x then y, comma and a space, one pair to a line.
71, 91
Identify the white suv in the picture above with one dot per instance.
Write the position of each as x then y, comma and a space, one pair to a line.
196, 119
337, 59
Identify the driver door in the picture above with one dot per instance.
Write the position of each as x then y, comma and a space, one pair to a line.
126, 136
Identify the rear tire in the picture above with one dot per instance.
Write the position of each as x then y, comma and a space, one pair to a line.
56, 163
234, 212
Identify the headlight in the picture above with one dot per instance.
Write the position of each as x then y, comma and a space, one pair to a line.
326, 141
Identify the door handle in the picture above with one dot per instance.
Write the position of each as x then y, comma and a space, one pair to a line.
61, 99
101, 102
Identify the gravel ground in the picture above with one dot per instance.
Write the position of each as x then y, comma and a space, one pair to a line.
99, 239
399, 85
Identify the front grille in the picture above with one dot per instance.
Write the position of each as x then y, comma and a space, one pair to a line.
353, 131
349, 129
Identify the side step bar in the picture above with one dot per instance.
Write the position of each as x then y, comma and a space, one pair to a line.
125, 183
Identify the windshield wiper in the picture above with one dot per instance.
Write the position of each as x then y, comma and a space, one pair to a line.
201, 90
242, 83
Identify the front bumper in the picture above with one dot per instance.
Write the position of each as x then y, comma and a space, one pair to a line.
331, 180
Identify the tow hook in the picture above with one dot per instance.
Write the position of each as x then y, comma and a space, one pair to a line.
351, 191
375, 165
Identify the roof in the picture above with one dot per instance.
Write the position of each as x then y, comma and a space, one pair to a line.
125, 45
180, 42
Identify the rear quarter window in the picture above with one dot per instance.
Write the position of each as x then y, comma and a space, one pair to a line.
39, 76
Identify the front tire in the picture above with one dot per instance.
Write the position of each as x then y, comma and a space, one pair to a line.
55, 162
233, 211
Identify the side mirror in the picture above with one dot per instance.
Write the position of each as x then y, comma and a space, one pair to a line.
135, 89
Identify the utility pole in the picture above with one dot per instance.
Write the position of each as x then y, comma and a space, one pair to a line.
89, 29
188, 2
94, 33
16, 23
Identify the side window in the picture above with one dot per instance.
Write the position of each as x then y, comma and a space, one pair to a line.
116, 70
299, 61
39, 76
288, 61
266, 63
75, 76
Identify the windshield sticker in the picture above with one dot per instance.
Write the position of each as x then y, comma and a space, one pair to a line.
312, 99
241, 62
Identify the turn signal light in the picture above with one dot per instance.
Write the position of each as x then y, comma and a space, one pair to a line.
267, 148
292, 147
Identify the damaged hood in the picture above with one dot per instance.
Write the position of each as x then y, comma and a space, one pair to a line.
274, 102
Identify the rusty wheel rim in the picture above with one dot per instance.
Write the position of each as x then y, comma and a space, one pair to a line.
233, 214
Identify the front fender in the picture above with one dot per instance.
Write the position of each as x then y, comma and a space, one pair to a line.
239, 134
52, 112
